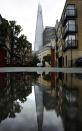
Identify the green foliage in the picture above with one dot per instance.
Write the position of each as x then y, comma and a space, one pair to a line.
35, 60
13, 35
16, 43
17, 89
14, 29
20, 47
47, 58
46, 77
3, 31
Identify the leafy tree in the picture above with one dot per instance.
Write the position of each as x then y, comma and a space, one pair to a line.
14, 31
3, 31
24, 48
35, 60
15, 43
20, 46
47, 58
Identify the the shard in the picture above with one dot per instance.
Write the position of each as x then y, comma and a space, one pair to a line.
39, 30
39, 106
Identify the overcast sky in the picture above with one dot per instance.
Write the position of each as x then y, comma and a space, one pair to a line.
25, 13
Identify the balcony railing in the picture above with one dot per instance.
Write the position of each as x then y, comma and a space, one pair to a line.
70, 44
69, 14
71, 29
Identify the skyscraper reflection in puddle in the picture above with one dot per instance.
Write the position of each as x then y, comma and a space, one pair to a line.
48, 102
62, 99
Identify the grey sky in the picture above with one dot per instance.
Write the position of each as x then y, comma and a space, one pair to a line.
25, 13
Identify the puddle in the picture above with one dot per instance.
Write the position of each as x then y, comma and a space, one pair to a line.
46, 102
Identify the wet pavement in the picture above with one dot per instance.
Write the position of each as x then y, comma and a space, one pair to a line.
46, 102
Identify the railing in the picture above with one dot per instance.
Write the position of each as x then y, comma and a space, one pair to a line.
69, 14
70, 44
70, 29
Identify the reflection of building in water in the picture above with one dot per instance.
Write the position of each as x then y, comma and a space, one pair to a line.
71, 92
49, 99
44, 81
39, 106
13, 86
53, 79
70, 108
65, 99
47, 81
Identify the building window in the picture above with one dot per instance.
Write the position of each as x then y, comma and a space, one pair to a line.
70, 10
70, 7
70, 26
70, 37
70, 41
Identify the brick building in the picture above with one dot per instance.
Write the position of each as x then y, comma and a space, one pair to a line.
71, 34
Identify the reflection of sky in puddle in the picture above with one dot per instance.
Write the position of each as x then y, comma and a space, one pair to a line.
24, 121
39, 113
51, 122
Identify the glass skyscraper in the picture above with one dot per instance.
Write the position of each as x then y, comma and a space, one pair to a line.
39, 30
